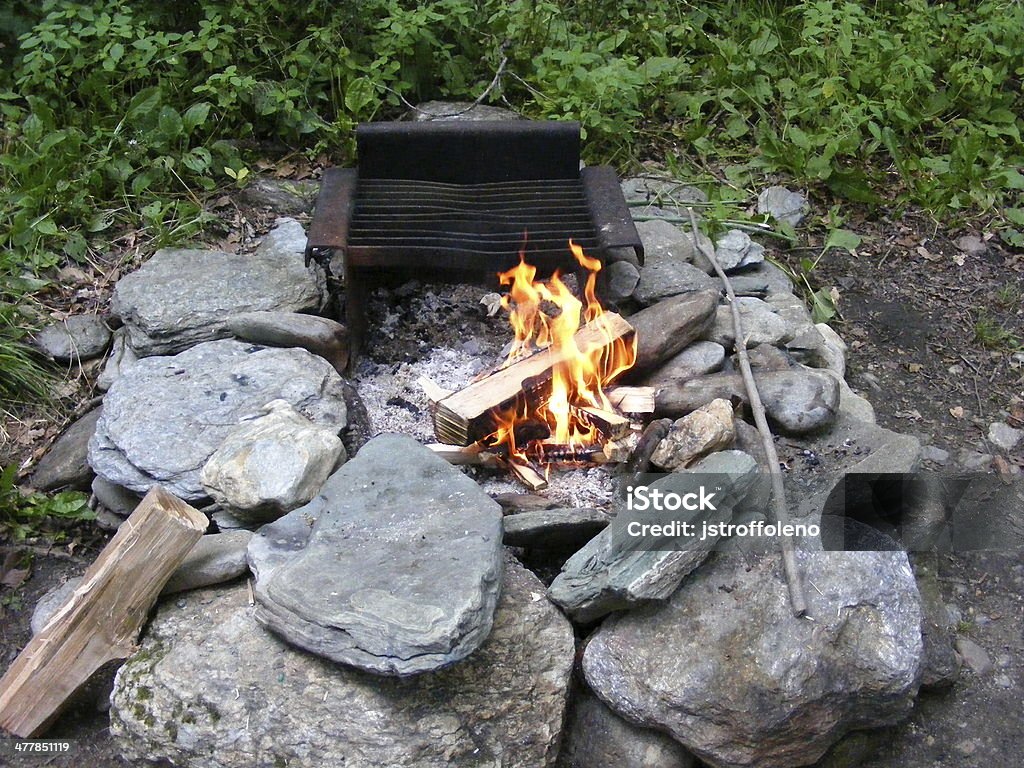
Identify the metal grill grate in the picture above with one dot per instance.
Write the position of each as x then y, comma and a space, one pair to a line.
458, 201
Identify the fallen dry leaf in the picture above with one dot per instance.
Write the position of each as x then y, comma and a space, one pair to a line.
957, 412
914, 367
913, 414
959, 259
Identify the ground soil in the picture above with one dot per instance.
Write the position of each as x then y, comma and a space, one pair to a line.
909, 314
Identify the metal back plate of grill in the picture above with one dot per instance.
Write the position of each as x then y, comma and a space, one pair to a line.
460, 200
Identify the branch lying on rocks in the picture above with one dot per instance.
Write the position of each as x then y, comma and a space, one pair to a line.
796, 591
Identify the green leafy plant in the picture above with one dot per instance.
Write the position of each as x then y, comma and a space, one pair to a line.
26, 515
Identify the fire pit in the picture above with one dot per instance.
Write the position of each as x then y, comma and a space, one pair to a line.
549, 403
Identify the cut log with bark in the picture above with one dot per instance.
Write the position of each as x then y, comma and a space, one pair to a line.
469, 414
101, 620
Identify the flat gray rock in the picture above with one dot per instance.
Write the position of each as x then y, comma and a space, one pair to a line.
1003, 436
614, 571
761, 279
596, 737
726, 669
668, 327
783, 205
666, 193
211, 688
735, 250
165, 416
271, 464
120, 501
698, 359
182, 297
552, 528
668, 269
761, 324
401, 569
797, 401
66, 464
319, 335
79, 337
216, 558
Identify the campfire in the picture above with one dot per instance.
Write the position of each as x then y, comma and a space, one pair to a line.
551, 401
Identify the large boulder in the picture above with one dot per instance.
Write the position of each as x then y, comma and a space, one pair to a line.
400, 570
165, 416
211, 688
77, 338
181, 297
726, 669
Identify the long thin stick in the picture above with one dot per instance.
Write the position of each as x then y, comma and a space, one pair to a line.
796, 590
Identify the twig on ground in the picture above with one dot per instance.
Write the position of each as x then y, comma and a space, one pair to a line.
476, 102
796, 591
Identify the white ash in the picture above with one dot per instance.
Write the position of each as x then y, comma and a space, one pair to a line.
406, 326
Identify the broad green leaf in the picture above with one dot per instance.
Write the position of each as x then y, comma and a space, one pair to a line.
169, 123
823, 308
195, 116
843, 238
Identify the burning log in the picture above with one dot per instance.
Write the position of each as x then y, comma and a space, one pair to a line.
632, 399
470, 414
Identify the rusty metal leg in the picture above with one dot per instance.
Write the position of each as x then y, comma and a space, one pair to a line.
355, 312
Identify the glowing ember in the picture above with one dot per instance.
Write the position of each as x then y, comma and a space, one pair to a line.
547, 314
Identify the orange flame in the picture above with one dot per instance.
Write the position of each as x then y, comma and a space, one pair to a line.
548, 314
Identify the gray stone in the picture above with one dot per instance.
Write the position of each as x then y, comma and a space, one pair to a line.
735, 250
668, 327
401, 570
615, 571
554, 528
211, 688
595, 737
974, 656
707, 429
726, 669
120, 359
271, 464
833, 349
698, 359
107, 520
806, 340
50, 602
797, 401
783, 205
764, 357
66, 464
761, 324
851, 405
460, 110
284, 197
1003, 436
667, 272
664, 240
974, 461
935, 454
620, 280
971, 244
182, 297
165, 416
79, 337
114, 498
764, 278
319, 335
216, 558
665, 193
228, 522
